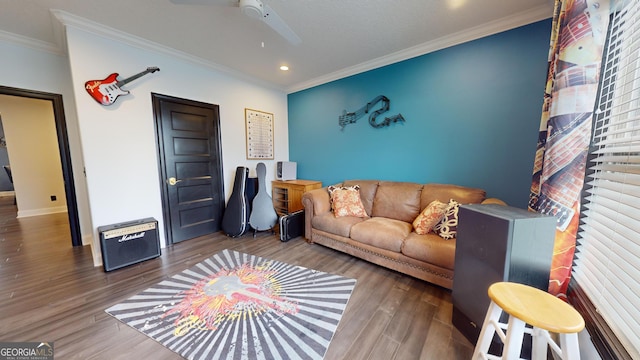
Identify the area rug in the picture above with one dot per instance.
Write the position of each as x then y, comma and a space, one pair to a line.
239, 306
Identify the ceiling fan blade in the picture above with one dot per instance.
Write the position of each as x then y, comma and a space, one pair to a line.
274, 21
205, 2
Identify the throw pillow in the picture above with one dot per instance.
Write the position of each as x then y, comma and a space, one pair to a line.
447, 228
429, 217
345, 201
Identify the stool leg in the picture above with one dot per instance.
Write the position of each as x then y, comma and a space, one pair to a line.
570, 347
513, 342
540, 343
487, 332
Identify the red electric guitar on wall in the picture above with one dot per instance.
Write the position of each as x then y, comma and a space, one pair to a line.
107, 91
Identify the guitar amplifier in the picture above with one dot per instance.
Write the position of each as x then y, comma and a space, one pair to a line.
129, 243
291, 225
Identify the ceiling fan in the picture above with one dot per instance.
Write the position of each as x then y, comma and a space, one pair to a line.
255, 9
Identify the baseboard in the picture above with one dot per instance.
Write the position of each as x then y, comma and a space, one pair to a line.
87, 240
39, 212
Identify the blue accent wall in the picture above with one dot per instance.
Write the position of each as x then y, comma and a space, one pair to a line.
472, 118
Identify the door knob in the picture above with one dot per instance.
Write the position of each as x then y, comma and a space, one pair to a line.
172, 181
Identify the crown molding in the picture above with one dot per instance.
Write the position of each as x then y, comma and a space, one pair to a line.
474, 33
59, 33
67, 19
63, 19
30, 42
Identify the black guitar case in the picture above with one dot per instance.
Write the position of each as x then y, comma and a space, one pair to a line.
235, 220
263, 215
291, 225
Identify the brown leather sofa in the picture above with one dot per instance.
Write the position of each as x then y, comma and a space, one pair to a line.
387, 238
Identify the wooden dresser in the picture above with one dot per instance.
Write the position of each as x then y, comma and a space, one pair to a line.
287, 194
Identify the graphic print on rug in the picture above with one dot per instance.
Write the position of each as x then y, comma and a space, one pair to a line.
240, 306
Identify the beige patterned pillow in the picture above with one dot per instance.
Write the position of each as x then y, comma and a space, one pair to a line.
429, 217
447, 228
345, 201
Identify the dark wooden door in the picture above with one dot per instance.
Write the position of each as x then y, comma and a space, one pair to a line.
190, 159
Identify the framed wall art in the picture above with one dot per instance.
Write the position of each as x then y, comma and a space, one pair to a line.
259, 127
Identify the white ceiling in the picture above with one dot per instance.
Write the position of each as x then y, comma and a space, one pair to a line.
339, 37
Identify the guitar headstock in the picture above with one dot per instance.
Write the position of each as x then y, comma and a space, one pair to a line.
153, 69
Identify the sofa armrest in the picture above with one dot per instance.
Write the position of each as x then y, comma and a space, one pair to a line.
315, 202
493, 201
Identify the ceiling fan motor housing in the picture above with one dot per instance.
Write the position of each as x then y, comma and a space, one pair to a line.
252, 8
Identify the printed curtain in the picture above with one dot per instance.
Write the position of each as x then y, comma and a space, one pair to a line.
577, 39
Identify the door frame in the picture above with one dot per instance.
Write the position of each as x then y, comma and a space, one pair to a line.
65, 153
162, 173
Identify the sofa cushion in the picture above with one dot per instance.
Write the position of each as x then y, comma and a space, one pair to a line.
446, 192
367, 191
345, 201
431, 249
329, 223
429, 217
447, 228
397, 200
381, 232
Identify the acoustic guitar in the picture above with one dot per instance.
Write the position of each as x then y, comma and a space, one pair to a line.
108, 90
263, 215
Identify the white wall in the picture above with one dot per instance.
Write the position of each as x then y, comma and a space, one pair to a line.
118, 141
40, 69
32, 144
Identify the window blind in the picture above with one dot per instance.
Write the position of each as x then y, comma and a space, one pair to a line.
607, 260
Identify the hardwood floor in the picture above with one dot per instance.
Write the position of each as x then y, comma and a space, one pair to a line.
50, 291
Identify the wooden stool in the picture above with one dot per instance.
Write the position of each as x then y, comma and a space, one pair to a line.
527, 305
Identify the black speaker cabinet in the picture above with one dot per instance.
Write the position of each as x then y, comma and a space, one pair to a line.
129, 243
251, 189
497, 243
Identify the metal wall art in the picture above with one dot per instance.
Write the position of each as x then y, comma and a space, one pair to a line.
351, 117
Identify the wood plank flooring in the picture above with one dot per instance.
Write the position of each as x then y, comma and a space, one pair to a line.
50, 291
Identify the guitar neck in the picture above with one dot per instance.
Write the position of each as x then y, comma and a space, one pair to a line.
136, 76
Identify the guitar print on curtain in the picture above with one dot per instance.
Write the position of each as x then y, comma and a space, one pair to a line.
577, 40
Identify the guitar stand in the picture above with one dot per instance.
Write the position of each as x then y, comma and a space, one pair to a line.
272, 229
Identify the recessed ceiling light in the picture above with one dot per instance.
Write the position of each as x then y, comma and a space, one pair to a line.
284, 68
456, 4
